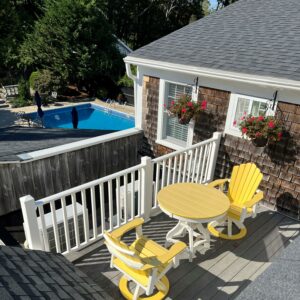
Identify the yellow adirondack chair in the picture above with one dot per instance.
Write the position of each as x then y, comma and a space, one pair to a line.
144, 262
244, 197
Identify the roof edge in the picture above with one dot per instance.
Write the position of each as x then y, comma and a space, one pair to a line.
214, 73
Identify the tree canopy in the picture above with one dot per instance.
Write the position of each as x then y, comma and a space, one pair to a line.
74, 41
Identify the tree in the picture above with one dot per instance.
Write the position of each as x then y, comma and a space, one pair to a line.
141, 22
74, 41
16, 19
224, 3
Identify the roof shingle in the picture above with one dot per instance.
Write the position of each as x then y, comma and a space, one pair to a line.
257, 37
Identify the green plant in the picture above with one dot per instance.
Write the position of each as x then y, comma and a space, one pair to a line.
19, 102
23, 88
32, 79
261, 127
185, 109
125, 81
45, 81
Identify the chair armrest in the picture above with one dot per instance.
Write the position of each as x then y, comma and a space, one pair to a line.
218, 182
256, 198
173, 251
118, 233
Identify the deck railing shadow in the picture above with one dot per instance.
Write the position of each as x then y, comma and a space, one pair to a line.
213, 274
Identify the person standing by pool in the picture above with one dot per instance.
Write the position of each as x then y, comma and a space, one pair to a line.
74, 114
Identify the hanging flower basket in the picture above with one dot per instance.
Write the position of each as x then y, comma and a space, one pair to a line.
185, 109
261, 130
260, 142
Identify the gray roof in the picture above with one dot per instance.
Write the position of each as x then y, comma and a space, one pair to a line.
18, 140
42, 275
281, 280
258, 37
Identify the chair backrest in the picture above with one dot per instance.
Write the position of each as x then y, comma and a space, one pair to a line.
122, 251
244, 182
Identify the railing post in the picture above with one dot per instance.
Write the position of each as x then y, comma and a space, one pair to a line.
147, 186
30, 224
214, 155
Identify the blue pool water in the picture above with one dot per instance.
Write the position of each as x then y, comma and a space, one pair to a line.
90, 116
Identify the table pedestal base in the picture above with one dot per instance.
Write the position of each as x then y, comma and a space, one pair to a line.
198, 241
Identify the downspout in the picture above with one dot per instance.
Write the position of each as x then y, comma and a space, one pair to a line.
135, 79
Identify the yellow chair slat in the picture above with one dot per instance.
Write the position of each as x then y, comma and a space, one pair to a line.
142, 277
243, 195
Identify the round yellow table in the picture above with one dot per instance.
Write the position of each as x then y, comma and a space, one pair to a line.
192, 204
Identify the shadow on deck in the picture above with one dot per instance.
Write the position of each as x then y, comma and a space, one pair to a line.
222, 273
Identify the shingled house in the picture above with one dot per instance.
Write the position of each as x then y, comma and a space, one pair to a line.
245, 57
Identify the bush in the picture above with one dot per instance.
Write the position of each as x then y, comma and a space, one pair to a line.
45, 81
32, 79
125, 81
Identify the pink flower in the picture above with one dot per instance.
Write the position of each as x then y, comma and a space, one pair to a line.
165, 105
251, 119
204, 104
190, 104
172, 103
183, 110
260, 118
245, 113
244, 130
258, 134
242, 118
234, 123
271, 124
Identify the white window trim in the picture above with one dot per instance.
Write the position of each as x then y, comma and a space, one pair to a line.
166, 142
229, 129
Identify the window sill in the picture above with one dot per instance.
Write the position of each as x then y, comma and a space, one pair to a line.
170, 145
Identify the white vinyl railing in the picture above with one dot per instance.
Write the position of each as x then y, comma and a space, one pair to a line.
75, 218
193, 164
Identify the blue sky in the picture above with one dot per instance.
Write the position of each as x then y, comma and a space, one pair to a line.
213, 3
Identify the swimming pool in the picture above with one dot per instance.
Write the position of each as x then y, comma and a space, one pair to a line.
90, 116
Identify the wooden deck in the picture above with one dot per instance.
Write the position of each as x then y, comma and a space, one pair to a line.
222, 273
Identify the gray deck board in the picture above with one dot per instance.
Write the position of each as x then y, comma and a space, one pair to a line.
221, 273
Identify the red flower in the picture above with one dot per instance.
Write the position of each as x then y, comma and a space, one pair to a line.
251, 119
172, 102
183, 110
279, 136
258, 134
165, 105
190, 104
234, 122
244, 130
271, 124
204, 104
260, 118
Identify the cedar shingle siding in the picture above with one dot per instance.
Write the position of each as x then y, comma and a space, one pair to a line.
279, 163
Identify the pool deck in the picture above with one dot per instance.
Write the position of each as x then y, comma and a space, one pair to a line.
8, 117
223, 272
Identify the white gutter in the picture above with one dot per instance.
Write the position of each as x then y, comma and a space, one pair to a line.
214, 73
135, 79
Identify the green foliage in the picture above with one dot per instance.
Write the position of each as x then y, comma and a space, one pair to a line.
23, 90
23, 98
261, 127
125, 81
141, 22
34, 75
45, 81
74, 40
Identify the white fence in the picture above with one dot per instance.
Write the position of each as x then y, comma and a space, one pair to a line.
72, 219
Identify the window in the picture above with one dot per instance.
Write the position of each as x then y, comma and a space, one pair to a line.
170, 132
241, 105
